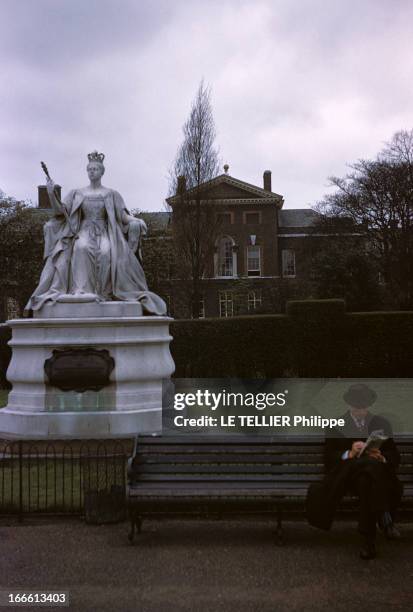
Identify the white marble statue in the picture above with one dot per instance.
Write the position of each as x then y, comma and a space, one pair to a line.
90, 246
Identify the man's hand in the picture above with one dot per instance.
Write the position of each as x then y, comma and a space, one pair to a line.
375, 453
356, 449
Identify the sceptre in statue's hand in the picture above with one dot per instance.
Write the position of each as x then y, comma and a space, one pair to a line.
51, 187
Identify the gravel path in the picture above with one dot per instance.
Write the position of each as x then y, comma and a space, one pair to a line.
206, 566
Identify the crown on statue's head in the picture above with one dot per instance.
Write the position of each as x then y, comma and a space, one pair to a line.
96, 157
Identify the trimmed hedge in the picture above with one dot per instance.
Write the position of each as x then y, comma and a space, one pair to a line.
380, 344
316, 339
246, 347
318, 308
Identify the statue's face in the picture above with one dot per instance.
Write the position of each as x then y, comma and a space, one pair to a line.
94, 171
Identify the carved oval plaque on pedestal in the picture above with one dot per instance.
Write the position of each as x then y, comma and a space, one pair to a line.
79, 369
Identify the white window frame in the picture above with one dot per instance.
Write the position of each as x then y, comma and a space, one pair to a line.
226, 304
201, 314
254, 300
288, 263
250, 270
217, 258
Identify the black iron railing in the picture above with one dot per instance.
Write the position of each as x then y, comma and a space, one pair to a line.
84, 477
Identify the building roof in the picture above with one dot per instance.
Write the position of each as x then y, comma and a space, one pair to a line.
297, 217
246, 190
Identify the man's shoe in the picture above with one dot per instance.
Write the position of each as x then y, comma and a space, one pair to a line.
391, 532
368, 551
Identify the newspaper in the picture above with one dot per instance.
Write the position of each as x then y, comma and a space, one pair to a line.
375, 440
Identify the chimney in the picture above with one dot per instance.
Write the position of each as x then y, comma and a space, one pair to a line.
181, 187
267, 180
43, 196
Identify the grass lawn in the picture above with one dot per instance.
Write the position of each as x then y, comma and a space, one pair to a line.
55, 485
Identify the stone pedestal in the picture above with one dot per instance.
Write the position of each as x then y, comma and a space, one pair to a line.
129, 402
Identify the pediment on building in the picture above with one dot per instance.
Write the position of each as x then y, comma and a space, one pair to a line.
226, 187
226, 190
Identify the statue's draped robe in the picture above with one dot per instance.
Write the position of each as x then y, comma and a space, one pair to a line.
127, 278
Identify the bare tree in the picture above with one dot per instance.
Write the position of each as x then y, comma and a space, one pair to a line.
400, 148
194, 219
377, 195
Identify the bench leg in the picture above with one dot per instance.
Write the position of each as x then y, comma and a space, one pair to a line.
279, 531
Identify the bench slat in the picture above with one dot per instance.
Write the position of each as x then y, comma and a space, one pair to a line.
229, 494
217, 448
250, 439
166, 449
243, 477
223, 458
222, 477
211, 484
216, 468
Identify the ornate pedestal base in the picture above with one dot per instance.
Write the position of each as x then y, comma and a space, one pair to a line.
97, 373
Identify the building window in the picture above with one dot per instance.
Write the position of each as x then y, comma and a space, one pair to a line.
226, 258
202, 307
254, 261
288, 263
254, 300
252, 218
226, 304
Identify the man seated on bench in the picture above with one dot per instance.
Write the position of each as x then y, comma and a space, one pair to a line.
369, 474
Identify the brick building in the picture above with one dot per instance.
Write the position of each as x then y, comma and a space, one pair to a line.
258, 260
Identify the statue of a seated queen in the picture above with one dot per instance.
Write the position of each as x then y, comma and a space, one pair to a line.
92, 248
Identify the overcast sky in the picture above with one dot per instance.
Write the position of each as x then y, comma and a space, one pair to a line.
300, 87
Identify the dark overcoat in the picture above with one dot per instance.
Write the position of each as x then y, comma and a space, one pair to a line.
324, 497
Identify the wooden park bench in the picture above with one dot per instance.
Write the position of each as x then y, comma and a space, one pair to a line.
234, 475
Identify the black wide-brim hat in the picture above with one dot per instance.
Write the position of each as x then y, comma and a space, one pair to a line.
360, 396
